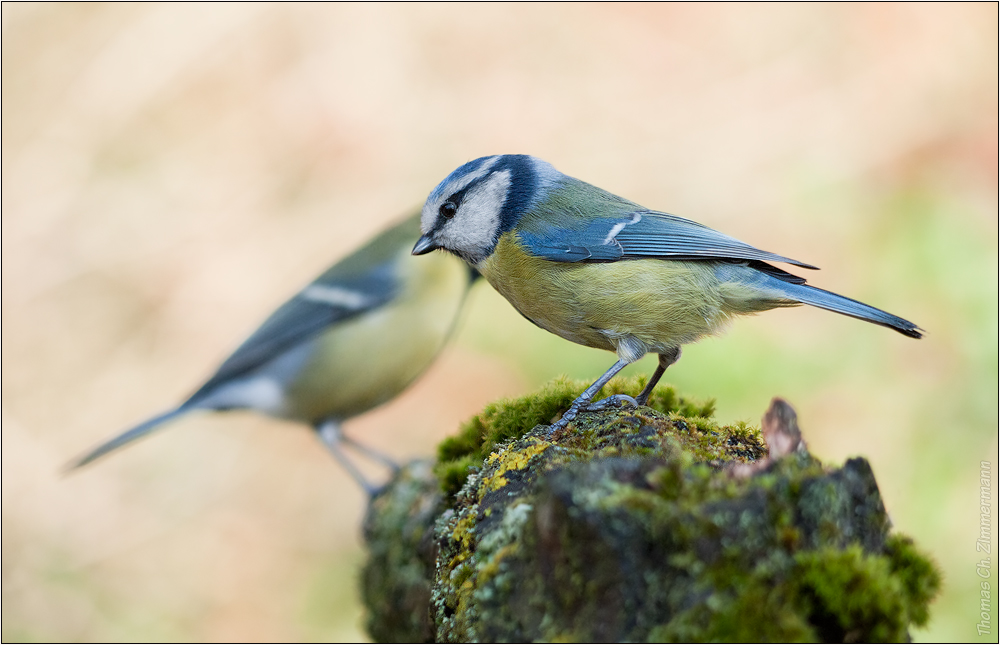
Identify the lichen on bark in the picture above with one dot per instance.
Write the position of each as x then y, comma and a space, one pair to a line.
655, 524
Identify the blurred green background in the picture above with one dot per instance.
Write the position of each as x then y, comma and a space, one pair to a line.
171, 173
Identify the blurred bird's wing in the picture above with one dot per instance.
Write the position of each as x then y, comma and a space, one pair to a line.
330, 300
631, 233
365, 280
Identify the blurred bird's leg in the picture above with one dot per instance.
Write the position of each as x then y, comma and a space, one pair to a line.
587, 395
329, 432
666, 360
371, 453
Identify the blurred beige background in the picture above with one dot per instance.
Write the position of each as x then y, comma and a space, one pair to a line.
171, 173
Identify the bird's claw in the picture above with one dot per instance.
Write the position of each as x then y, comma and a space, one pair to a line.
615, 400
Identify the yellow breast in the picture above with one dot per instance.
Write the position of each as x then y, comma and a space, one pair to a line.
662, 304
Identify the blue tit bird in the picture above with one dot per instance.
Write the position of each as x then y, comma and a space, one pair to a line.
604, 272
351, 340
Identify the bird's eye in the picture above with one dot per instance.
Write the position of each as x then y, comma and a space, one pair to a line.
448, 210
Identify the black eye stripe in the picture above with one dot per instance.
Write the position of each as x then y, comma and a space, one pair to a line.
449, 208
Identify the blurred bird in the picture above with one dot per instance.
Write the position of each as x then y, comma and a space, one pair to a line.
605, 272
351, 340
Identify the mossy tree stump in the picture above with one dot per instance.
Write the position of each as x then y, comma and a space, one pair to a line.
655, 524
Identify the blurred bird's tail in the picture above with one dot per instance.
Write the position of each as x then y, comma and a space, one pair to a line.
126, 437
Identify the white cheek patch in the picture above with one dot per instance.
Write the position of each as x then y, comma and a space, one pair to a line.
475, 226
336, 296
448, 188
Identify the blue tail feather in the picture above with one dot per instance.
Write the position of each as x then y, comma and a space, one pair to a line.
832, 302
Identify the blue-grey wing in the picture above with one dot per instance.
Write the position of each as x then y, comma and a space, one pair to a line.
636, 234
330, 300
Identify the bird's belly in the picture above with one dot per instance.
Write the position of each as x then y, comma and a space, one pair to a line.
361, 363
661, 304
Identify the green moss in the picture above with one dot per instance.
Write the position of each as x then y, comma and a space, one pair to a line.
851, 596
757, 614
453, 473
832, 594
919, 577
508, 419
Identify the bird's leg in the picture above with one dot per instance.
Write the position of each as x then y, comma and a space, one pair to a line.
329, 432
587, 395
666, 360
371, 453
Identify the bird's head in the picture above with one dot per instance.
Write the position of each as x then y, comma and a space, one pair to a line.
468, 212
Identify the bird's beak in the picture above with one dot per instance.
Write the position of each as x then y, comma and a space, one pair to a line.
424, 245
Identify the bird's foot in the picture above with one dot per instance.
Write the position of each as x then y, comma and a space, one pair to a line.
564, 421
613, 401
374, 490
